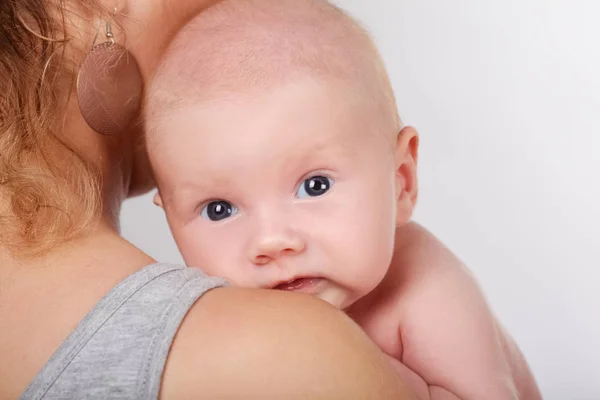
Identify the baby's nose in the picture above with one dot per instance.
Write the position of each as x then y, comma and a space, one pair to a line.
273, 244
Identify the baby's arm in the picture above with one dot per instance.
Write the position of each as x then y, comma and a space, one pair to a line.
451, 340
449, 335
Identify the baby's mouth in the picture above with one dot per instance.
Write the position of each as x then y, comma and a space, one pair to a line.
304, 285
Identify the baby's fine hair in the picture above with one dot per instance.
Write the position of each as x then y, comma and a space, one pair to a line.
237, 46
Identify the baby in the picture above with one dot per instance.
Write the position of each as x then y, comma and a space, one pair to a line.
282, 164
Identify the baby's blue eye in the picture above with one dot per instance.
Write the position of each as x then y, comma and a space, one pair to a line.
314, 187
218, 210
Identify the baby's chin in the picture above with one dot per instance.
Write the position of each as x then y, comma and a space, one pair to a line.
334, 294
326, 290
338, 297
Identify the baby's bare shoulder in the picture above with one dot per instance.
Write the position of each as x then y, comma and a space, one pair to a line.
435, 288
444, 313
421, 259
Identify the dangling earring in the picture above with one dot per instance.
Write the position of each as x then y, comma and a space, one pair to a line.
109, 86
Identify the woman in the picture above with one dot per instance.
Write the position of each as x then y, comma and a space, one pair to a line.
83, 313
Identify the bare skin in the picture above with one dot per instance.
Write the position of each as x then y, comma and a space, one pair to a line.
239, 193
324, 354
440, 317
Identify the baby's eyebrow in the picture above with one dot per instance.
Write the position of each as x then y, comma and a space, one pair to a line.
189, 195
335, 144
208, 181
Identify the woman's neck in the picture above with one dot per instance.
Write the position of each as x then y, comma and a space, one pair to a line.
100, 245
85, 220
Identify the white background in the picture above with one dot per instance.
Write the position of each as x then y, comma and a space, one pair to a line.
506, 97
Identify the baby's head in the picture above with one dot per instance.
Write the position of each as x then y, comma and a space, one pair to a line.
277, 149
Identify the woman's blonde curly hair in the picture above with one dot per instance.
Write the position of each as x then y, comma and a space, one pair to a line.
42, 204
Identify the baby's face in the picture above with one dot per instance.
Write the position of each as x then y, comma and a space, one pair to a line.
289, 189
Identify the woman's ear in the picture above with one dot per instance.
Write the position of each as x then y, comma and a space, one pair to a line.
158, 200
406, 154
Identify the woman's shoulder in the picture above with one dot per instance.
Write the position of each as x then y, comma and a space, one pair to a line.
254, 343
121, 344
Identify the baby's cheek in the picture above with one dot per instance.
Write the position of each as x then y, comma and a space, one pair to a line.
215, 262
218, 252
194, 247
368, 240
367, 262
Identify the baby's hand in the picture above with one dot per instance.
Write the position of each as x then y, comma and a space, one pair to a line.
419, 386
417, 383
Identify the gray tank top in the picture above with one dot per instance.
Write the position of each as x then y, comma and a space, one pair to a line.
119, 349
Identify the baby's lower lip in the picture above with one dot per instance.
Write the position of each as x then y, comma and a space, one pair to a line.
302, 285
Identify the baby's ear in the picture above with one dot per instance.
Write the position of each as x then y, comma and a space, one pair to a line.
407, 147
158, 200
